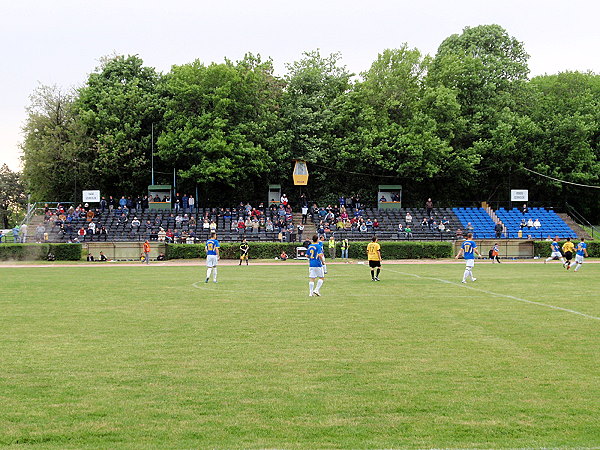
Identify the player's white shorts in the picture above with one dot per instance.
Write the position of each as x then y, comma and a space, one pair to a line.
579, 259
556, 255
315, 272
211, 260
469, 262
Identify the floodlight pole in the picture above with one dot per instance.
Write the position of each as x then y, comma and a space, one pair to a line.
152, 153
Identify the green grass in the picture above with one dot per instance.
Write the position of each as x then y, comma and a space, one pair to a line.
137, 357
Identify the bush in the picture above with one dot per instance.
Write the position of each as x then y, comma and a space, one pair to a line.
39, 252
66, 252
542, 248
357, 250
23, 252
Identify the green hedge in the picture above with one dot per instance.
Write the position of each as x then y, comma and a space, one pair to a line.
357, 250
542, 248
39, 252
66, 252
23, 252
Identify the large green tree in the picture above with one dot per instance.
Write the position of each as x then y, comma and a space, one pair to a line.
56, 152
118, 106
13, 199
221, 126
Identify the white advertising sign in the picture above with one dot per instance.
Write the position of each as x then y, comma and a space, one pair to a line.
91, 196
519, 195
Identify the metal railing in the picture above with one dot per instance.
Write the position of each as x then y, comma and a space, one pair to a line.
582, 220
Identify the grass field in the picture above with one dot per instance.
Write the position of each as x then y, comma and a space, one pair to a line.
143, 357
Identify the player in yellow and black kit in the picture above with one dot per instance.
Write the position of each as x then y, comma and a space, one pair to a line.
244, 252
374, 257
568, 248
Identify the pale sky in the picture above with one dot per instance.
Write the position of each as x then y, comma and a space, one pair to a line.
60, 41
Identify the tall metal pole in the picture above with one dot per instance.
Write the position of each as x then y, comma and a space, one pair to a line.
152, 153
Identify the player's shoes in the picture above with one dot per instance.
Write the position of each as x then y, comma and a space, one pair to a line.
206, 280
372, 279
214, 281
317, 294
464, 281
310, 295
474, 279
568, 266
376, 278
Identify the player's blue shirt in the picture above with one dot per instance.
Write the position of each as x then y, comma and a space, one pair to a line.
313, 252
556, 247
469, 249
211, 246
580, 248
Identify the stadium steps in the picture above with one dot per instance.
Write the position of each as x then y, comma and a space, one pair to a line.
574, 225
309, 226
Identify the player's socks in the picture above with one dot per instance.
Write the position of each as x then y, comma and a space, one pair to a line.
577, 267
319, 284
377, 274
311, 287
215, 274
372, 275
465, 275
208, 272
325, 268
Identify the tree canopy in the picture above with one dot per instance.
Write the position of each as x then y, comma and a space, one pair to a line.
460, 125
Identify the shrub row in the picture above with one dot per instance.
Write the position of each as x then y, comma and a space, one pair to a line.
542, 248
357, 250
39, 252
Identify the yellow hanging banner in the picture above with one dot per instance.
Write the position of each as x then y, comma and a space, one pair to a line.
300, 173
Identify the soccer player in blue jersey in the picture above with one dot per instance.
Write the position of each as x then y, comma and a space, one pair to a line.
468, 250
316, 261
212, 256
556, 253
580, 252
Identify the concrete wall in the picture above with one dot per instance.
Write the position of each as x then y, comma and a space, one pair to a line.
122, 251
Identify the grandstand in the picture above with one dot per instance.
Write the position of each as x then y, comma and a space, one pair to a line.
478, 220
551, 224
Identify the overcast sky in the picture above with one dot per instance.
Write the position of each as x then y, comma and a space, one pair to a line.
60, 41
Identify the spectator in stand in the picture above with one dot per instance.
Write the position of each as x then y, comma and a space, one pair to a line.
213, 227
408, 219
81, 234
135, 223
192, 203
284, 200
537, 224
523, 223
498, 228
429, 207
408, 231
441, 227
469, 227
185, 203
459, 233
269, 227
122, 202
39, 233
363, 227
382, 199
241, 226
145, 203
342, 201
161, 234
103, 204
524, 209
92, 226
169, 236
424, 223
430, 223
375, 224
401, 232
529, 224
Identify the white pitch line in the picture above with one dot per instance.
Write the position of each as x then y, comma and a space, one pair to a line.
496, 294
